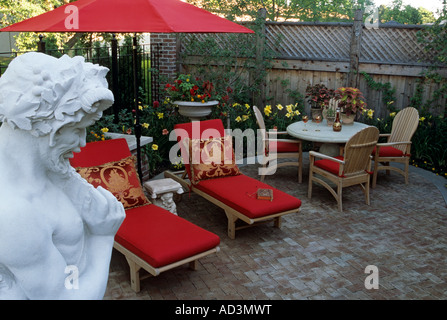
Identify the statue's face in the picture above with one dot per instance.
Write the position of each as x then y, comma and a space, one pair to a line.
68, 139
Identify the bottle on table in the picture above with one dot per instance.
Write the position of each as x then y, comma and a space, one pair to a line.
337, 124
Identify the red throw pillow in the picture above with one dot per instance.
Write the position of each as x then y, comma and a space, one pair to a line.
211, 158
120, 178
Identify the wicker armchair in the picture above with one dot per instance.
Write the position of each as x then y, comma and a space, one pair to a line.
350, 169
279, 149
398, 145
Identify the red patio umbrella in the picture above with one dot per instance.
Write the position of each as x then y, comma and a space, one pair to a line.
128, 16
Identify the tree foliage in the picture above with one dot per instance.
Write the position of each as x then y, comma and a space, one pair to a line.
408, 14
12, 11
285, 10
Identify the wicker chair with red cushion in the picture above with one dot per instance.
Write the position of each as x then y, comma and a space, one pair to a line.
150, 237
397, 146
225, 185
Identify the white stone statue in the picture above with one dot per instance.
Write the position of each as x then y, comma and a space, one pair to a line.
56, 230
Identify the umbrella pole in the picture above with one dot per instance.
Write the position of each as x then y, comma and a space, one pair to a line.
137, 116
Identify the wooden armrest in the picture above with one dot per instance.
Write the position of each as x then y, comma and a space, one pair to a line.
389, 144
277, 132
284, 140
323, 156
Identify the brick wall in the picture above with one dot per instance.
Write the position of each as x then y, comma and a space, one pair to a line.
168, 53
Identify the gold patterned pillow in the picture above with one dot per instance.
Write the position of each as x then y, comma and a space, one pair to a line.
120, 178
212, 158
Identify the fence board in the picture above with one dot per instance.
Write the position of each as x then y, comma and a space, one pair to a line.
311, 53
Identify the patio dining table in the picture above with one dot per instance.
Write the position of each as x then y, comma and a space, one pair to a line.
324, 135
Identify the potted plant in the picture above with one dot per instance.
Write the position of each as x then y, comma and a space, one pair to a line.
351, 102
330, 116
194, 97
318, 96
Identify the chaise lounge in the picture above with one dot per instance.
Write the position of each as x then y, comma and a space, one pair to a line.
150, 237
223, 184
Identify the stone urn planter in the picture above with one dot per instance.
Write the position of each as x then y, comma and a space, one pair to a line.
195, 110
347, 120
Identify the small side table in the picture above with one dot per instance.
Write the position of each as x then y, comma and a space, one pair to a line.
162, 192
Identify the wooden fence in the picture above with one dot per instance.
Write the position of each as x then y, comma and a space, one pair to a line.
311, 53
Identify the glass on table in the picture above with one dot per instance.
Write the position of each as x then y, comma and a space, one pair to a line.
305, 119
317, 120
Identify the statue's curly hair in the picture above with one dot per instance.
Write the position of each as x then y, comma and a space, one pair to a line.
40, 93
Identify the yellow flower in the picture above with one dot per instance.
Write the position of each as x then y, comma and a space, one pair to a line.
245, 117
421, 118
154, 147
236, 105
297, 112
104, 130
289, 108
238, 119
279, 107
247, 106
392, 114
370, 113
140, 107
289, 114
145, 125
268, 110
160, 115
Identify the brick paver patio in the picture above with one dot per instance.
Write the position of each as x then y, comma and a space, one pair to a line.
318, 253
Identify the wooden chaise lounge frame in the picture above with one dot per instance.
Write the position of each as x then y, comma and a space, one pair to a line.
232, 215
135, 262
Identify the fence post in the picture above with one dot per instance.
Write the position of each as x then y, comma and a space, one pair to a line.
41, 44
354, 53
259, 69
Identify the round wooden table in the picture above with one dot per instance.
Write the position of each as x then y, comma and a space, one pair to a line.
323, 134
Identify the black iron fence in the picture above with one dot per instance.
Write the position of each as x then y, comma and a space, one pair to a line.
119, 60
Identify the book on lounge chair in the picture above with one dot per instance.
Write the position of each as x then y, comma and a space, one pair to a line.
265, 194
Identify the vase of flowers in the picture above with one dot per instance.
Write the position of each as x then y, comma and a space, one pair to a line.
194, 97
351, 102
318, 96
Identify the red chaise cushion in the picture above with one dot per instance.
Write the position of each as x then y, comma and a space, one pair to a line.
160, 237
239, 192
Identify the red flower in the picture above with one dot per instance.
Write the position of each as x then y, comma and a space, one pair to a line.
156, 104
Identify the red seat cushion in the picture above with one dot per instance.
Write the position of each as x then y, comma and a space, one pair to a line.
283, 146
328, 165
389, 152
160, 237
239, 193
